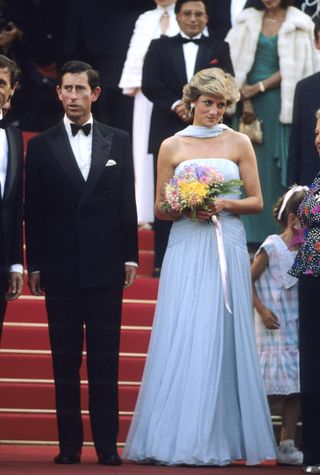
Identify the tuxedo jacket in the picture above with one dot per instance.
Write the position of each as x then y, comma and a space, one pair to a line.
303, 159
80, 233
164, 75
11, 207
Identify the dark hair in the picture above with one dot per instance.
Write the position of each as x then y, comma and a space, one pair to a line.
316, 27
291, 207
12, 67
179, 4
77, 67
258, 5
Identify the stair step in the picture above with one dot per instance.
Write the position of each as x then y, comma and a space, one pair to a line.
33, 395
146, 239
143, 288
146, 263
32, 309
37, 338
21, 426
20, 366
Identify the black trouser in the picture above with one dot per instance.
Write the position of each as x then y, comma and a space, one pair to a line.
3, 306
100, 310
309, 329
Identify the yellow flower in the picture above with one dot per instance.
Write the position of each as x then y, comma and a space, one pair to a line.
193, 193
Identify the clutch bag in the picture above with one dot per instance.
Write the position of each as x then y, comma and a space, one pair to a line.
252, 130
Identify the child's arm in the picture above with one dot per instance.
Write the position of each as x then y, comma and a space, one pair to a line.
258, 265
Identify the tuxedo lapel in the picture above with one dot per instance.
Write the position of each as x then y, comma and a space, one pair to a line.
177, 59
61, 149
101, 149
12, 164
203, 55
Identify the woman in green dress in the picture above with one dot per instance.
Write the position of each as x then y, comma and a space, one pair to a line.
272, 49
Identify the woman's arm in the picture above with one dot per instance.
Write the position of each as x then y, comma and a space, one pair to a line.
246, 159
251, 90
165, 170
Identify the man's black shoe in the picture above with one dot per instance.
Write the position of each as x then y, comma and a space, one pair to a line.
109, 459
63, 459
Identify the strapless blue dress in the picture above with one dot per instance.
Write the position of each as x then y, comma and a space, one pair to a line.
202, 400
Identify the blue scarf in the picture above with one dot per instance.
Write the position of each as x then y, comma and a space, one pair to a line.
203, 132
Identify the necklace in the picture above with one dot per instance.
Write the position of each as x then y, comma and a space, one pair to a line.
275, 19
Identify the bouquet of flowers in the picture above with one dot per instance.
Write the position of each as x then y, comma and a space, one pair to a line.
196, 187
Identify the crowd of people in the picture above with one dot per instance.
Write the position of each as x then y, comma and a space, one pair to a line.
236, 99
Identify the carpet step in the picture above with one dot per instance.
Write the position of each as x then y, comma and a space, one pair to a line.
37, 396
32, 309
146, 239
39, 426
37, 338
20, 366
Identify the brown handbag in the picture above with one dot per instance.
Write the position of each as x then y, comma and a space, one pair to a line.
252, 130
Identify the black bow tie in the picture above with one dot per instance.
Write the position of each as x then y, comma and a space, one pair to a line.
3, 124
75, 128
189, 40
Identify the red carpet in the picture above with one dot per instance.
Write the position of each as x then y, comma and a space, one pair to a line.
26, 460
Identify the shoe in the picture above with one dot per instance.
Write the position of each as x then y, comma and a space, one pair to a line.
311, 469
63, 459
289, 455
156, 273
109, 459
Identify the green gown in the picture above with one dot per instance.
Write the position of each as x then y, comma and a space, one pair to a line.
272, 153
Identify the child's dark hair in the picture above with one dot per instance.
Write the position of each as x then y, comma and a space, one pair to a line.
281, 213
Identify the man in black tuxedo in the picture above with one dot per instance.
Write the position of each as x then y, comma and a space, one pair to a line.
81, 233
303, 159
169, 64
11, 188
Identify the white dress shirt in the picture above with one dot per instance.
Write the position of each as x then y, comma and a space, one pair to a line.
81, 145
190, 51
3, 174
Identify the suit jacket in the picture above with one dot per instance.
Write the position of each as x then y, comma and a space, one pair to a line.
303, 159
80, 233
103, 29
219, 22
164, 75
11, 208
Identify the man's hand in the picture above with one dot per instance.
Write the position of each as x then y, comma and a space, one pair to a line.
34, 283
182, 112
15, 285
130, 275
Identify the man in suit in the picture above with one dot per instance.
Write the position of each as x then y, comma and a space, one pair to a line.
81, 233
99, 31
303, 160
169, 64
11, 210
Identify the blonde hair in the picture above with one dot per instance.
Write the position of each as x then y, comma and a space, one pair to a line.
211, 82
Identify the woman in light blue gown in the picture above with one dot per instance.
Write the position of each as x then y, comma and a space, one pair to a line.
202, 400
